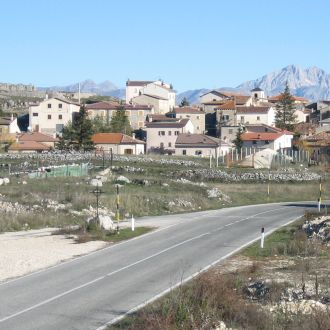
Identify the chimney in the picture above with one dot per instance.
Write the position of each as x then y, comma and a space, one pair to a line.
133, 136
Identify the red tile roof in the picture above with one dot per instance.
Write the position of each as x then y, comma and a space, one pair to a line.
295, 98
230, 105
28, 146
114, 138
188, 110
37, 137
253, 109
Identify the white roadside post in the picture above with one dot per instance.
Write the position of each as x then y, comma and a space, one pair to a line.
133, 223
262, 237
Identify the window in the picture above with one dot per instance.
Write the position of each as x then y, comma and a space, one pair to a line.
169, 133
60, 117
161, 133
197, 117
140, 124
242, 119
35, 114
176, 133
266, 142
49, 105
184, 152
197, 128
140, 113
60, 105
230, 131
198, 152
49, 116
258, 118
127, 113
254, 142
170, 144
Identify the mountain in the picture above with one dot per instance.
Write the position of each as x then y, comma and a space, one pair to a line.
312, 83
106, 88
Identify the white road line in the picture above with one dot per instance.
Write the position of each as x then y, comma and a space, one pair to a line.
136, 308
99, 278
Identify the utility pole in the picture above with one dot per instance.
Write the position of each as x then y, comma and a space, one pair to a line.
97, 192
117, 207
320, 196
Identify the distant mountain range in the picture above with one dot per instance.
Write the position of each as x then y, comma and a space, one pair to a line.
106, 88
312, 83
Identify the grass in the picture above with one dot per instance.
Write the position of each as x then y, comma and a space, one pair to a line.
213, 296
93, 233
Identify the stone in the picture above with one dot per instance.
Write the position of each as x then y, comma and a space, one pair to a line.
123, 179
96, 183
106, 222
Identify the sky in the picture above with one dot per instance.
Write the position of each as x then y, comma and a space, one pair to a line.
189, 43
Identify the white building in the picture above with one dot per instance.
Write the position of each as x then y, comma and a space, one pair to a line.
157, 89
161, 135
51, 115
255, 115
196, 116
200, 145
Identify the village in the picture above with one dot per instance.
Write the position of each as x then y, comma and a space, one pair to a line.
222, 123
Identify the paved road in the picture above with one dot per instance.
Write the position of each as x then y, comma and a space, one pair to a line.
90, 291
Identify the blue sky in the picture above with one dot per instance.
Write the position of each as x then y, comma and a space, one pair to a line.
191, 44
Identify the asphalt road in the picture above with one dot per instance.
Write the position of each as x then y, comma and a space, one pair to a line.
90, 291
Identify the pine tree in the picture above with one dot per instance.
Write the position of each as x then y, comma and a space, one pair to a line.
78, 134
120, 123
238, 141
285, 117
184, 103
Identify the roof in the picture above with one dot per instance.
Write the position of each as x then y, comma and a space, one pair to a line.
158, 117
138, 82
263, 128
257, 89
198, 140
37, 137
189, 110
263, 136
241, 99
116, 106
170, 124
294, 98
114, 138
252, 109
5, 121
230, 105
28, 146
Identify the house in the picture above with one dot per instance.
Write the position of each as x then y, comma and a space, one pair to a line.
256, 115
160, 95
196, 116
32, 142
161, 135
118, 143
8, 125
264, 136
135, 113
51, 115
302, 115
319, 146
258, 96
200, 145
296, 100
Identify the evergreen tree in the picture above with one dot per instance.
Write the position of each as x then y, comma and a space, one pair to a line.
285, 117
99, 126
120, 123
238, 141
78, 134
184, 103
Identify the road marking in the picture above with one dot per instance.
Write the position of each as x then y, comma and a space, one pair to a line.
99, 279
154, 298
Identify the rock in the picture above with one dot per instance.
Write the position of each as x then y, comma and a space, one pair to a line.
122, 179
6, 181
96, 183
24, 182
1, 182
106, 222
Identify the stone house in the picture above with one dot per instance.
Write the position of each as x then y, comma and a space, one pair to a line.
51, 115
200, 145
161, 135
196, 116
135, 113
118, 144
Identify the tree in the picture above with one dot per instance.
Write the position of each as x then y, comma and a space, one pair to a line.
184, 103
78, 134
285, 117
100, 126
238, 141
120, 123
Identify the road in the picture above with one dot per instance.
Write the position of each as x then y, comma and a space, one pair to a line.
90, 291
